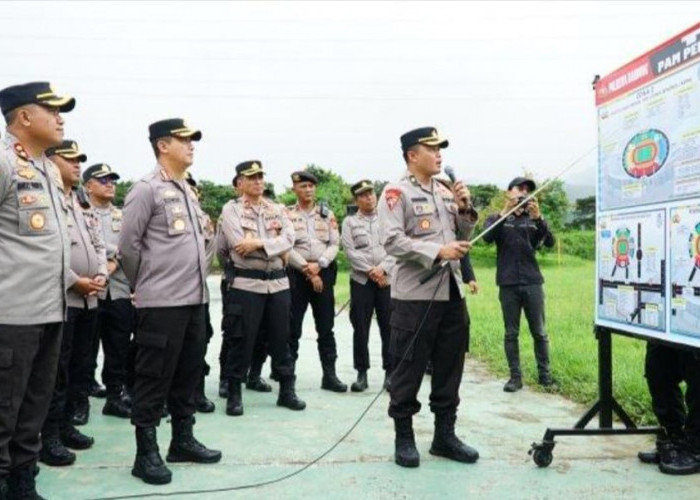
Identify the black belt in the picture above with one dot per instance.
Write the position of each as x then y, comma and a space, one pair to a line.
261, 275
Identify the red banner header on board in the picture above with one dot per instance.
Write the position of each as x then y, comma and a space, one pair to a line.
668, 56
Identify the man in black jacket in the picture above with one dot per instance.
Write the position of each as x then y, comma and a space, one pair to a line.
518, 276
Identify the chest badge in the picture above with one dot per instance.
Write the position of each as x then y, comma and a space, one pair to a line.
179, 225
37, 221
424, 224
26, 173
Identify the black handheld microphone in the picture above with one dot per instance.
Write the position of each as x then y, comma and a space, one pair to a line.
449, 172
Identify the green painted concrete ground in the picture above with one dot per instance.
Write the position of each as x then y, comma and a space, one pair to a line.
269, 442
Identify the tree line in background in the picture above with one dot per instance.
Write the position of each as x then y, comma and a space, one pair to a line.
577, 219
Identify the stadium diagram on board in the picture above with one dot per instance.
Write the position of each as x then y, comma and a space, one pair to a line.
630, 268
645, 153
685, 264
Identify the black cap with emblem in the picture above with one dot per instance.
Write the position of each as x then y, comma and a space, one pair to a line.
303, 176
362, 186
68, 149
98, 171
172, 127
248, 168
522, 181
33, 93
424, 135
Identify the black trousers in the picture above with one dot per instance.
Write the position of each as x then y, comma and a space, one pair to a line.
74, 365
665, 368
323, 308
530, 300
169, 351
364, 301
28, 362
115, 326
443, 339
247, 316
208, 334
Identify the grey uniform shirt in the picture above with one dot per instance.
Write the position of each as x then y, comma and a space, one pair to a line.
360, 239
34, 242
316, 237
268, 222
87, 252
111, 218
162, 242
414, 223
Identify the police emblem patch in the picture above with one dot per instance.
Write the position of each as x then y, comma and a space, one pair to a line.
392, 197
37, 221
424, 224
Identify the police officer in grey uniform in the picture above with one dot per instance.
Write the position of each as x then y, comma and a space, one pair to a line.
420, 219
312, 273
163, 255
115, 312
369, 280
256, 236
87, 278
35, 240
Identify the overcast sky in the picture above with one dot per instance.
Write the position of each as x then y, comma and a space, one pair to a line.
336, 83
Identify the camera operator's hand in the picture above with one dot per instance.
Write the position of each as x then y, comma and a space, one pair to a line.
454, 250
533, 208
510, 204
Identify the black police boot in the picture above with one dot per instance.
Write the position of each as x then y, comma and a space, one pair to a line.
234, 403
184, 447
405, 451
74, 439
675, 459
21, 484
256, 383
81, 412
447, 444
54, 452
96, 390
148, 465
115, 404
514, 384
361, 383
223, 388
288, 396
651, 456
201, 402
330, 381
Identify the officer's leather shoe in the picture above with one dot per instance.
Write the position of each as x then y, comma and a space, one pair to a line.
234, 403
185, 448
54, 452
223, 388
649, 457
148, 465
74, 439
447, 444
331, 382
21, 484
81, 413
288, 396
361, 383
257, 383
405, 451
513, 385
675, 459
547, 381
96, 390
116, 407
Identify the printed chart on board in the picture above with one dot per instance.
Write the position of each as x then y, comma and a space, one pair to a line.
648, 203
630, 263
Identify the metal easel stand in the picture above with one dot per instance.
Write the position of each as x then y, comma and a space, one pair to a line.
605, 407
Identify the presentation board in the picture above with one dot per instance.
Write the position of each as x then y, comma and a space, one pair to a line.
648, 194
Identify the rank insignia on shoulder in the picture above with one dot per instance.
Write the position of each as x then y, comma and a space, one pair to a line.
22, 163
19, 150
392, 196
